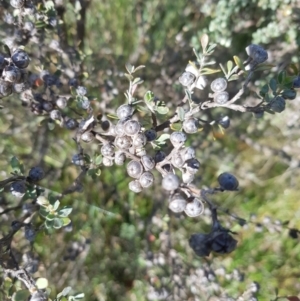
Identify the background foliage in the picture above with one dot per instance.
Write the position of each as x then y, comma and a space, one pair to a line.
122, 239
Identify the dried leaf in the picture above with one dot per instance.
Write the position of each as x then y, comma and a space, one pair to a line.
204, 42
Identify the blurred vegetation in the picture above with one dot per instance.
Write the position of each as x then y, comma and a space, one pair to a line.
117, 230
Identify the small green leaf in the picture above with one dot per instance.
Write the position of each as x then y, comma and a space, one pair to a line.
188, 94
41, 283
181, 113
16, 165
43, 212
112, 116
64, 292
176, 127
66, 221
42, 201
56, 205
163, 138
149, 96
264, 90
58, 223
233, 77
229, 66
223, 69
65, 211
273, 85
198, 55
211, 48
129, 68
138, 68
51, 217
137, 81
21, 295
98, 160
49, 224
238, 62
281, 77
209, 71
162, 110
79, 296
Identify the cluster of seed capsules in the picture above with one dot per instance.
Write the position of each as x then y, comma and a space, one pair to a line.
13, 72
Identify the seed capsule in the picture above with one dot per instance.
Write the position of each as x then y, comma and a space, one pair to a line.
178, 203
5, 88
107, 161
221, 97
107, 150
186, 79
125, 111
148, 162
139, 140
134, 169
170, 182
194, 207
135, 186
120, 158
190, 125
132, 127
146, 179
123, 142
178, 139
219, 84
87, 137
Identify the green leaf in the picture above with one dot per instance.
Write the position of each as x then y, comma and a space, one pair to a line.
209, 71
233, 77
21, 295
129, 68
204, 42
56, 205
49, 224
41, 283
51, 217
163, 138
64, 292
43, 212
176, 127
149, 96
181, 113
162, 110
211, 48
16, 165
229, 66
137, 81
98, 160
58, 223
42, 201
273, 85
264, 90
238, 62
65, 211
138, 68
79, 296
198, 55
223, 69
66, 221
281, 77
